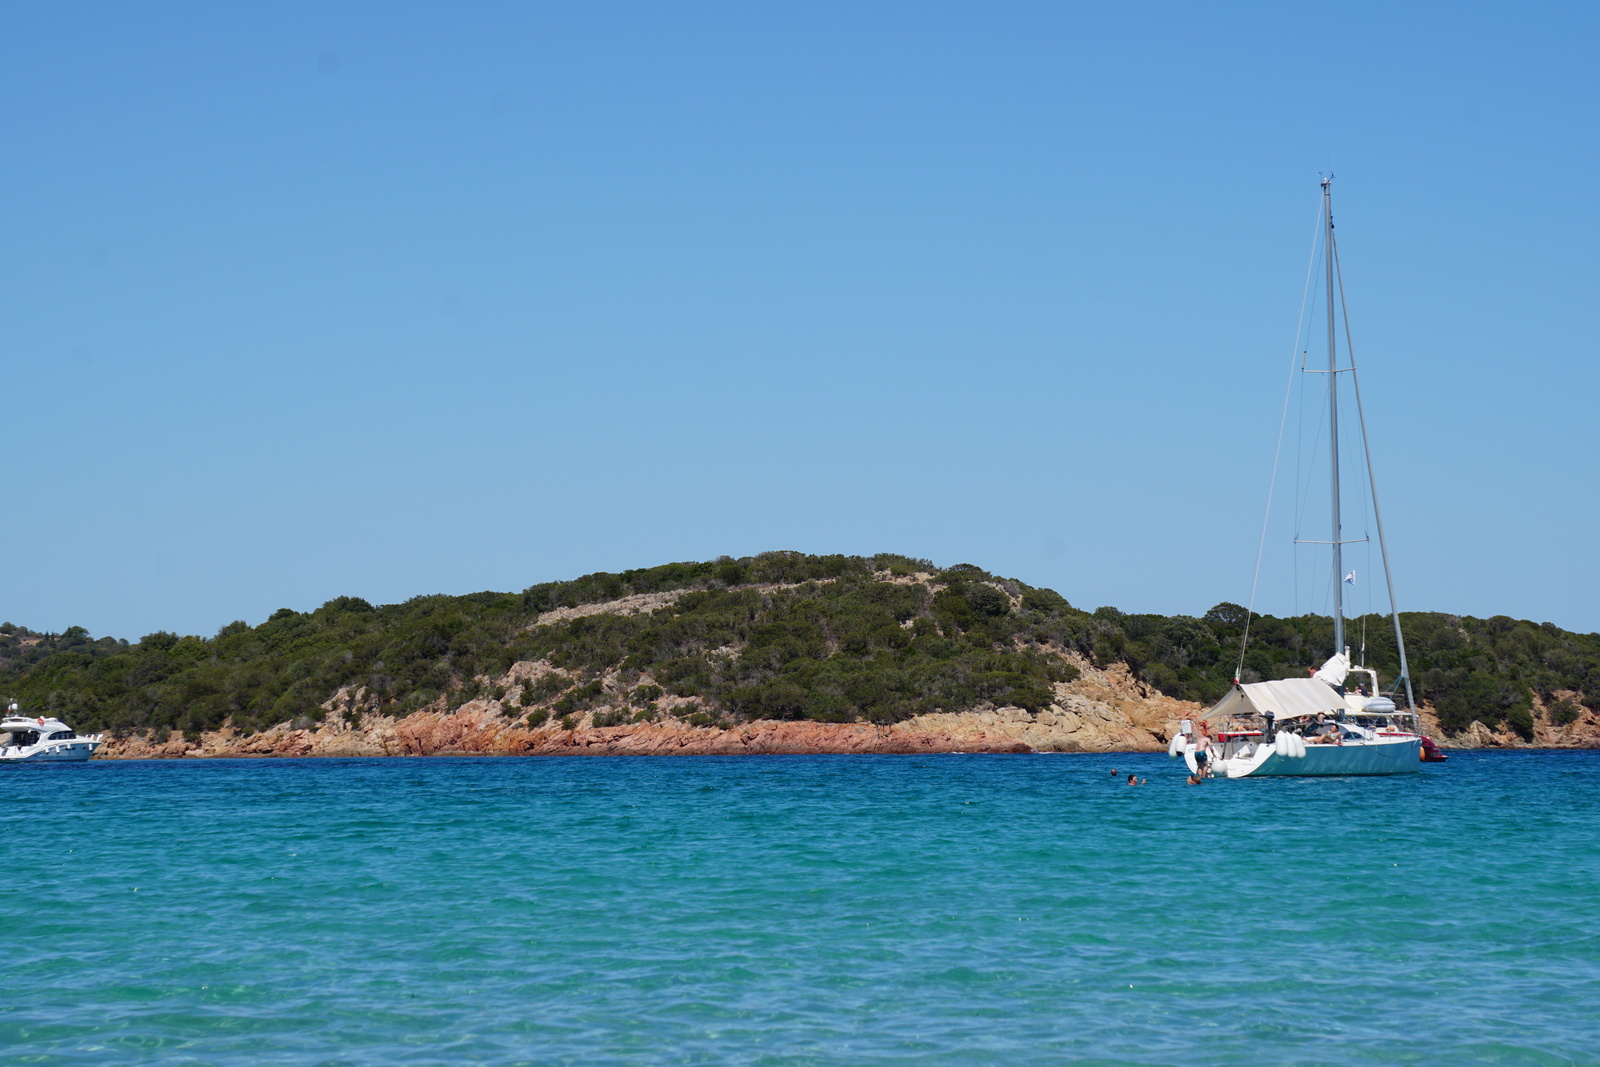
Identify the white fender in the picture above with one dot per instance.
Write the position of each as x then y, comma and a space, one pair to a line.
1175, 746
1299, 746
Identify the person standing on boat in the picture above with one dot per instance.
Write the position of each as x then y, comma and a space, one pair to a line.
1202, 750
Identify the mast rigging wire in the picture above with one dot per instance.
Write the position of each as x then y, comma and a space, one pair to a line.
1277, 451
1377, 511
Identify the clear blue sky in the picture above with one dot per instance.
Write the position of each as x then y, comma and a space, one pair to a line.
301, 300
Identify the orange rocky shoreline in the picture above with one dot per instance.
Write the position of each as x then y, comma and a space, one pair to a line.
1102, 711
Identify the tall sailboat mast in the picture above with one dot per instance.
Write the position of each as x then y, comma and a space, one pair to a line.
1333, 422
1372, 479
1335, 289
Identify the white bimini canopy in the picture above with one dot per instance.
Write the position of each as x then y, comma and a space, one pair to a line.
1292, 698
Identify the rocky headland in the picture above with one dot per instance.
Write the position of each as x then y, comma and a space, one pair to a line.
1103, 711
779, 652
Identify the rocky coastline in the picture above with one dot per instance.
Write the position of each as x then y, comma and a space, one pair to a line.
1104, 710
767, 653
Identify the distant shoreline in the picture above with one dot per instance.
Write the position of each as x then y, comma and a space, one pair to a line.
471, 733
780, 651
479, 731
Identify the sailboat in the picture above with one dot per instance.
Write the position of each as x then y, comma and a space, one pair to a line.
1322, 724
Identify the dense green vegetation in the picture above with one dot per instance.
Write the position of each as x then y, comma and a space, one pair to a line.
781, 635
1469, 669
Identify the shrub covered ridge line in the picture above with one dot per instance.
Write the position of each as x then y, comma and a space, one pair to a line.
777, 636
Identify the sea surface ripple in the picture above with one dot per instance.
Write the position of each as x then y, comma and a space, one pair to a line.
795, 910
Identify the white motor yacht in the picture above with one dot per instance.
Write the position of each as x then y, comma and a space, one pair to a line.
43, 740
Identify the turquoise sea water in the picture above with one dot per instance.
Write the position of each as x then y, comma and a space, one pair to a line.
792, 910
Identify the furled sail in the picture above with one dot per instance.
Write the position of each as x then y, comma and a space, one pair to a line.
1334, 671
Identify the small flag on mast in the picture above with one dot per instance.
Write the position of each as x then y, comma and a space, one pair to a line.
1351, 577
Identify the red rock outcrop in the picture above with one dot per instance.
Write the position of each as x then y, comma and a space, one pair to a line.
1582, 732
1104, 710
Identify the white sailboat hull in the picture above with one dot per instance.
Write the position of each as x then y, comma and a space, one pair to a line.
1399, 755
